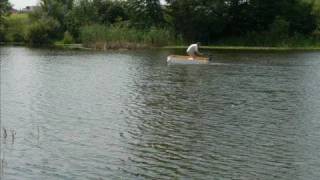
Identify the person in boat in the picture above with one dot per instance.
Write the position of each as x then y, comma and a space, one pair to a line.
193, 50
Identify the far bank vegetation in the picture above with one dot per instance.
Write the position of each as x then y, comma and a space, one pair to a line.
115, 24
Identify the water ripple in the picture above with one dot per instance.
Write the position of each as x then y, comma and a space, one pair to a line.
127, 115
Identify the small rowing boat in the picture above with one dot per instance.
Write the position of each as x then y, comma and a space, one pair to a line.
176, 59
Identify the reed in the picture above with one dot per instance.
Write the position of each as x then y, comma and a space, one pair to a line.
115, 37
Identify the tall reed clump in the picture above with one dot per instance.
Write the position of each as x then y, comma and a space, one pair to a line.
116, 37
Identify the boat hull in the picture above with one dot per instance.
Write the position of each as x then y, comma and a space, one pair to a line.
175, 59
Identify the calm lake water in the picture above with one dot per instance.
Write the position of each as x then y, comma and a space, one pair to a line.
127, 115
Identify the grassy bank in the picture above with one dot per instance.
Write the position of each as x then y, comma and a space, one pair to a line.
218, 48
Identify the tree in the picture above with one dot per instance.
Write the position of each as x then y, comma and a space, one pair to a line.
208, 20
5, 7
145, 13
200, 20
112, 12
260, 14
57, 9
43, 31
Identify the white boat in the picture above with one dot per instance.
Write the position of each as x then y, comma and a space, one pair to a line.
176, 59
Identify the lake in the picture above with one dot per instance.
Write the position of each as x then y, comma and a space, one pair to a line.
128, 115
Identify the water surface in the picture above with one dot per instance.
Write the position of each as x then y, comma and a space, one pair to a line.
127, 115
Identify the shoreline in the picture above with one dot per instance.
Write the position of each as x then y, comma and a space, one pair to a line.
249, 48
217, 48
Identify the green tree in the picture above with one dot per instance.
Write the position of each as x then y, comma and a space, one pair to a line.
298, 13
87, 12
208, 20
5, 7
145, 13
43, 31
112, 11
200, 20
57, 9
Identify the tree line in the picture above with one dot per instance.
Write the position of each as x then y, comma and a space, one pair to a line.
208, 21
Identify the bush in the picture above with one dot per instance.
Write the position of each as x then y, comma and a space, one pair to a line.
279, 28
67, 38
37, 33
17, 37
2, 34
42, 31
15, 28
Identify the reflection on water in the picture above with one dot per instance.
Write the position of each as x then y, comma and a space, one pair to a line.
111, 115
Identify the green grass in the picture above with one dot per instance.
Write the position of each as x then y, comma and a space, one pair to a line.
19, 16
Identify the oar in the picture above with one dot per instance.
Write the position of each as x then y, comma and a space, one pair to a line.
208, 55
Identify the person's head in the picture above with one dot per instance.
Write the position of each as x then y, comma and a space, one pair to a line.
198, 43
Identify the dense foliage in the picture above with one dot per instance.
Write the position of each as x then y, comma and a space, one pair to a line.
145, 13
206, 20
4, 10
253, 22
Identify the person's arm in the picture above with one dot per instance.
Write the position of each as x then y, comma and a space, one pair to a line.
198, 52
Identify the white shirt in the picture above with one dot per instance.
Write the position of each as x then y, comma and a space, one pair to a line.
192, 49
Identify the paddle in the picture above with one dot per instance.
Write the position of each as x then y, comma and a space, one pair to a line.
209, 56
